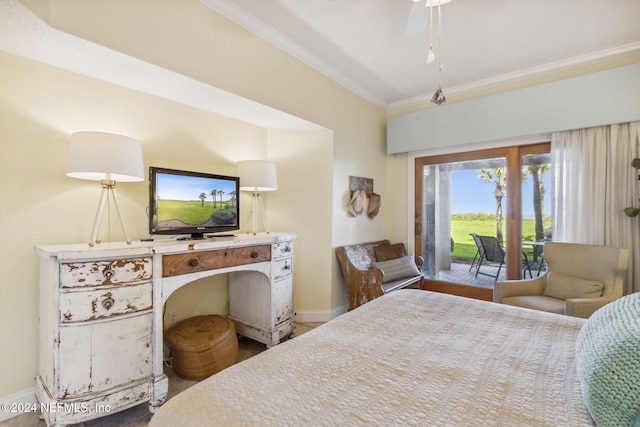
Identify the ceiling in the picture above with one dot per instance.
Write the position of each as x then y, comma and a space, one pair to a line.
364, 45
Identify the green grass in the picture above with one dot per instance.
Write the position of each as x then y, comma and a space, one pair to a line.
465, 247
190, 212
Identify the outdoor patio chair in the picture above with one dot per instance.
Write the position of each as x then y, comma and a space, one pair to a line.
478, 255
490, 250
535, 253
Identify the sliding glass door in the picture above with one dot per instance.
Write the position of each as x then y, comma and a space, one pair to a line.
536, 210
469, 213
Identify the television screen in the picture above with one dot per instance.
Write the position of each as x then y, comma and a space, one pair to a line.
195, 203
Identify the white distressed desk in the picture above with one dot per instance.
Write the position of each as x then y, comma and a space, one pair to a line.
101, 314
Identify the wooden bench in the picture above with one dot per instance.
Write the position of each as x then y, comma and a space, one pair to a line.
372, 269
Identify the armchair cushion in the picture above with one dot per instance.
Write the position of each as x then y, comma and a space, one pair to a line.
398, 268
581, 265
537, 302
565, 287
608, 363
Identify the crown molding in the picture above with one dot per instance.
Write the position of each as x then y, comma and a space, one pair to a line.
250, 22
528, 73
245, 19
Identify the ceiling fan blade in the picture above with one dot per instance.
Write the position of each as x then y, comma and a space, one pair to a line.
418, 19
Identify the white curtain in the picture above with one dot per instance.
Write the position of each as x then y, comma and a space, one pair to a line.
593, 183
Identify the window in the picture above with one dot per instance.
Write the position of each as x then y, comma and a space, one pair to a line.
499, 193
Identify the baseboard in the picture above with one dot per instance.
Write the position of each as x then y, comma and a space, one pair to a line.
319, 316
17, 404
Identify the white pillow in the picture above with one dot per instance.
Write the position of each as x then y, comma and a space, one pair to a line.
398, 268
564, 287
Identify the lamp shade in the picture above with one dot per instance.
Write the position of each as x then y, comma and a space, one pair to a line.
257, 175
101, 156
434, 3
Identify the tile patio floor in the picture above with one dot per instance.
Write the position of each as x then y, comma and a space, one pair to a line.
462, 273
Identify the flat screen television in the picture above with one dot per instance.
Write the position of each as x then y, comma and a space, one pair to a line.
192, 203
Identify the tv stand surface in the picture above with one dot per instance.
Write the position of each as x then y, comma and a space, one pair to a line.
101, 314
193, 236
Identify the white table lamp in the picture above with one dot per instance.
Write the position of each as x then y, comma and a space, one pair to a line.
257, 176
107, 158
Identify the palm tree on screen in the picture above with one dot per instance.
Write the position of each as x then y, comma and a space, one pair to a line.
213, 194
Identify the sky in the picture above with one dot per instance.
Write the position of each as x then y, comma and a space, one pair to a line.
177, 187
471, 195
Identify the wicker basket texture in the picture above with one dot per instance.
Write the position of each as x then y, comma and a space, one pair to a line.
202, 346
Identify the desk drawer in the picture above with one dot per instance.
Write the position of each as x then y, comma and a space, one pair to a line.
105, 272
101, 303
282, 269
283, 249
174, 265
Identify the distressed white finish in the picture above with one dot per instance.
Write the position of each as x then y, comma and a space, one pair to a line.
101, 323
260, 307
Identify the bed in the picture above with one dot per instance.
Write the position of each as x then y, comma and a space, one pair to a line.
410, 357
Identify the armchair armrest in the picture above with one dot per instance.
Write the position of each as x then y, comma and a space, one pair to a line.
512, 288
585, 307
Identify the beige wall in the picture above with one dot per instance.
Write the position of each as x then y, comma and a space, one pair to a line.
40, 106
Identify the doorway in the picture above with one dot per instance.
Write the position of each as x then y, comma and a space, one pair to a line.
501, 194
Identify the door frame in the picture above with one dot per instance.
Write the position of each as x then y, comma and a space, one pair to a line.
513, 156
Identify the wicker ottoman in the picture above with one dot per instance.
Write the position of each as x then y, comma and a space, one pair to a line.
202, 346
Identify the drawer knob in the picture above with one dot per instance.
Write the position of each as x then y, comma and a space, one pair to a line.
193, 262
108, 302
108, 272
286, 267
254, 254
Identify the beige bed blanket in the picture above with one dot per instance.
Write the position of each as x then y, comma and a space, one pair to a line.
409, 358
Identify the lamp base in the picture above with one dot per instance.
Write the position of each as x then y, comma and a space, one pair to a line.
108, 187
256, 203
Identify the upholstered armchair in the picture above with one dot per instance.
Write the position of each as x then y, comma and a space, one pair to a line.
579, 280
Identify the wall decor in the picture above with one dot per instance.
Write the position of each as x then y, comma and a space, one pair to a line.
361, 193
357, 183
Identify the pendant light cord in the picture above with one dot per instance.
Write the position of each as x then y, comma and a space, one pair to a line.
439, 46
